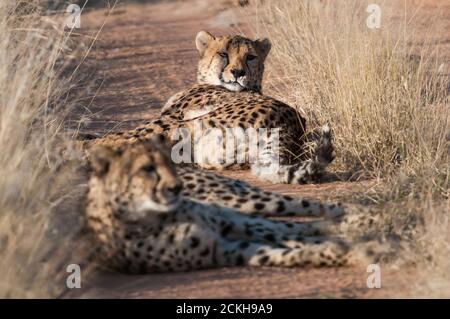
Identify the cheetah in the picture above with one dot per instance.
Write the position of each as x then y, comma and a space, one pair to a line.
142, 222
228, 96
255, 112
234, 62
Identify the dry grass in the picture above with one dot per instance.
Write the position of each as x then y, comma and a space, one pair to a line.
387, 100
39, 227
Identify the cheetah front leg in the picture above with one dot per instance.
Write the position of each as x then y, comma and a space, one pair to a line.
244, 253
234, 225
276, 205
329, 253
248, 199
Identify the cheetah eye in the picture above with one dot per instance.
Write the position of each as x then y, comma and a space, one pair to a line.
223, 55
251, 57
149, 168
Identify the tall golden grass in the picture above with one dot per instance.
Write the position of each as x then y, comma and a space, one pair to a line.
385, 93
39, 225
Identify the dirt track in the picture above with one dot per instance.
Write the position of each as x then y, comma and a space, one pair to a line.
145, 54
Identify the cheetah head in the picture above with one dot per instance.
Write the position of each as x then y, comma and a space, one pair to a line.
135, 181
234, 62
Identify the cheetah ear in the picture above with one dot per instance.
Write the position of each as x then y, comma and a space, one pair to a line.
202, 41
263, 47
100, 158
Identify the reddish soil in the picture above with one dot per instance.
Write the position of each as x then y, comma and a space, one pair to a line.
144, 54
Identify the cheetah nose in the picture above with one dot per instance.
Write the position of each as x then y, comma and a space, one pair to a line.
175, 190
237, 73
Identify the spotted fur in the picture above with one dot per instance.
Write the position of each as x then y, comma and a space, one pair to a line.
215, 104
144, 221
244, 110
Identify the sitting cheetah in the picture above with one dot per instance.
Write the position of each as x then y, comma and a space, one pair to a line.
143, 224
228, 95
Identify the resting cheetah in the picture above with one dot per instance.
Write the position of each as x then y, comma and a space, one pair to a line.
143, 224
228, 95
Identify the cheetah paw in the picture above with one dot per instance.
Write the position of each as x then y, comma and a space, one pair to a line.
371, 252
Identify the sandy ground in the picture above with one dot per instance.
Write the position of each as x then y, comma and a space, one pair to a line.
144, 54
